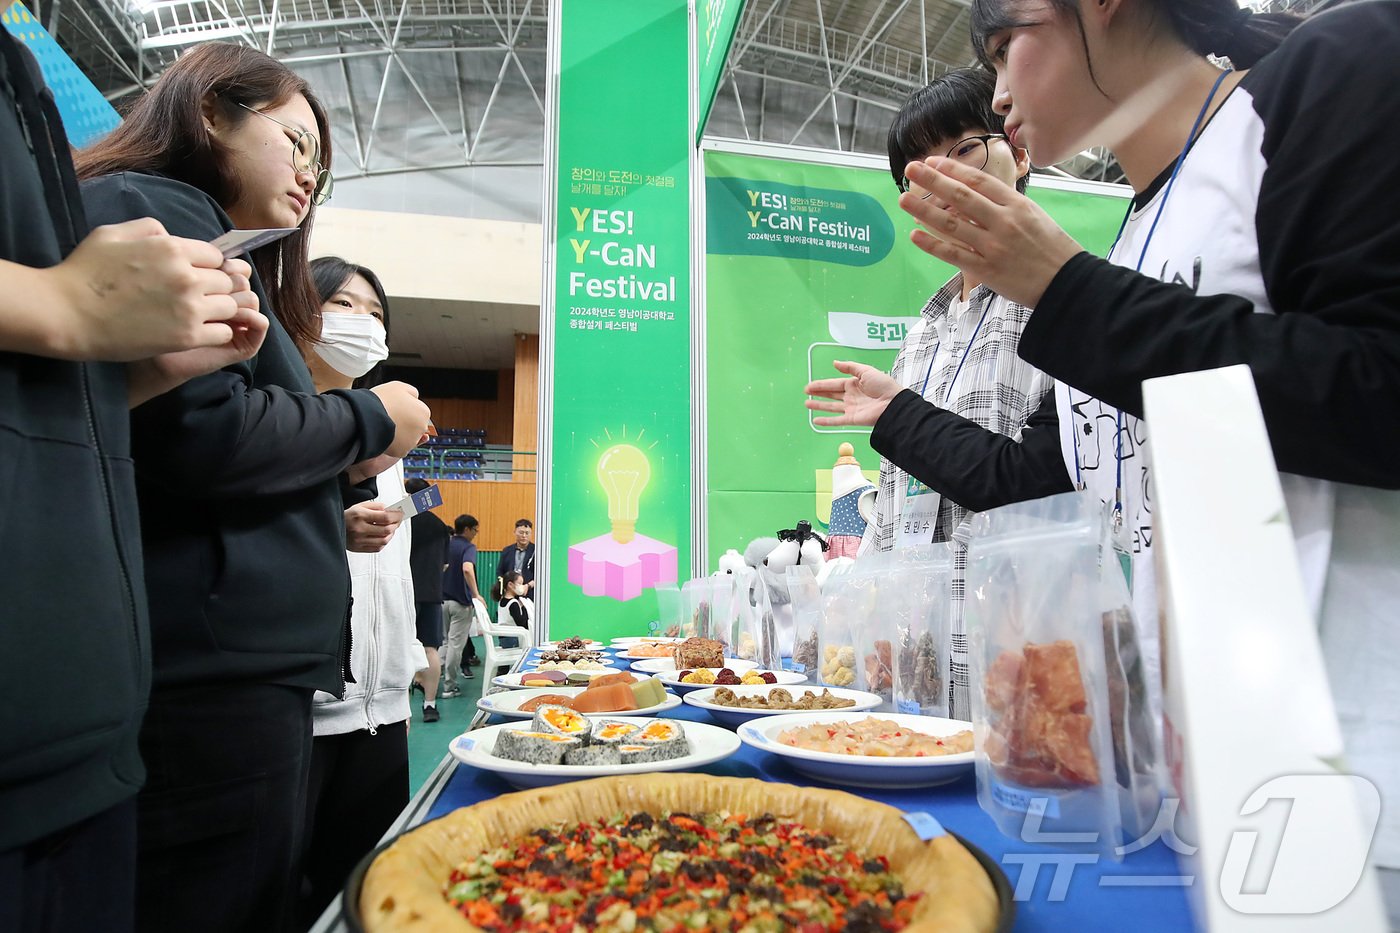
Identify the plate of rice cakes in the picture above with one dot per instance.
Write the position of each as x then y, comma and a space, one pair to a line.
554, 747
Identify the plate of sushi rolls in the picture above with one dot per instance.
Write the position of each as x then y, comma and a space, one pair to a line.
559, 744
640, 697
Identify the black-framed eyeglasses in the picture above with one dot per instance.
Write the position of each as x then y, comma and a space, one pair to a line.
974, 152
306, 157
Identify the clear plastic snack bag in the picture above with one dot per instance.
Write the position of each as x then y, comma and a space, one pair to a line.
1058, 689
916, 596
697, 596
806, 617
875, 643
755, 627
670, 611
848, 603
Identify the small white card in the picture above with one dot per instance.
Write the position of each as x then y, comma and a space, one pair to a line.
237, 242
421, 501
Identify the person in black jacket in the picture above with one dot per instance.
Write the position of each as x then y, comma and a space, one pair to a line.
88, 322
429, 553
241, 511
520, 556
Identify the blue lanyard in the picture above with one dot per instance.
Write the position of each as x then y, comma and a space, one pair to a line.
1161, 208
948, 393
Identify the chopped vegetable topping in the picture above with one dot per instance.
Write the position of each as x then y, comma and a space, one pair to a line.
708, 872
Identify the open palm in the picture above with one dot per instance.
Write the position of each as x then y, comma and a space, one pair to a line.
858, 399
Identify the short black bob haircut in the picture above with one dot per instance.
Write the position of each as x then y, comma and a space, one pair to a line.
957, 104
330, 274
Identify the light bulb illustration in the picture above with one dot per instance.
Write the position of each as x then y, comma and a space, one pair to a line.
623, 472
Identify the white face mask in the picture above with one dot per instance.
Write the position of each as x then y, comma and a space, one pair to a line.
351, 344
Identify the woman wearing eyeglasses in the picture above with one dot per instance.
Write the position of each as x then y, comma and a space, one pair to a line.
241, 510
951, 419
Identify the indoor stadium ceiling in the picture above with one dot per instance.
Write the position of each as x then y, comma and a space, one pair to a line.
448, 85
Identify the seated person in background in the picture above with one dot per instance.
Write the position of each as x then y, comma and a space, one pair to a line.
957, 403
509, 593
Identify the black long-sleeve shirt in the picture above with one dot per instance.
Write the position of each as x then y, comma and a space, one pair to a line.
237, 474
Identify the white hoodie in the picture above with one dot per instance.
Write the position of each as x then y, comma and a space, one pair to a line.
384, 648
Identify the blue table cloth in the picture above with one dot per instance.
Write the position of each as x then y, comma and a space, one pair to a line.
1055, 889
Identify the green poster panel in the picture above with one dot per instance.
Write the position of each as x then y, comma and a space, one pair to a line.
619, 507
716, 21
805, 264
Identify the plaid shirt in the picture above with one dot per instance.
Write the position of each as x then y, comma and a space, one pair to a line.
996, 389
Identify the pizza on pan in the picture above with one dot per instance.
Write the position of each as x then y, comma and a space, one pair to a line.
676, 852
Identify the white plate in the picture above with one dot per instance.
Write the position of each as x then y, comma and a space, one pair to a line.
635, 639
708, 744
661, 665
589, 644
861, 770
672, 680
610, 666
732, 716
513, 679
508, 704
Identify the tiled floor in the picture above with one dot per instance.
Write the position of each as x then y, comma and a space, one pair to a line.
427, 741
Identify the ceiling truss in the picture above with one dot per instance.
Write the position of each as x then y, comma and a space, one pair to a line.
422, 85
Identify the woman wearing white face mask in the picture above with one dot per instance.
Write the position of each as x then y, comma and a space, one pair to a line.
359, 757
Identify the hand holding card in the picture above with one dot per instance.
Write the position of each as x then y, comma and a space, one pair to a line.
237, 242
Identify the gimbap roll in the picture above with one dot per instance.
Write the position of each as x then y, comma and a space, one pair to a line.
560, 720
537, 748
667, 737
593, 755
638, 754
615, 732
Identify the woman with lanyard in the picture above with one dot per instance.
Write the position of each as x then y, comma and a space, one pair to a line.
1264, 232
957, 368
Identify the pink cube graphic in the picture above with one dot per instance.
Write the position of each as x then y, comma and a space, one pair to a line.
604, 567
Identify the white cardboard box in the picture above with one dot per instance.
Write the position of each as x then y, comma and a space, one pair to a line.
1253, 746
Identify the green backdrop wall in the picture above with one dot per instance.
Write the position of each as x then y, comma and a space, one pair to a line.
807, 263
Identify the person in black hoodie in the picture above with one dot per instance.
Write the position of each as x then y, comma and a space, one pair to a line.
87, 322
241, 510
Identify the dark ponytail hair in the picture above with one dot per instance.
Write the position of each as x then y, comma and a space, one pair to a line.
498, 589
330, 274
164, 132
1207, 27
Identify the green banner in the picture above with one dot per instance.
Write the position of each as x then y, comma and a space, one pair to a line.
620, 460
716, 21
779, 312
745, 217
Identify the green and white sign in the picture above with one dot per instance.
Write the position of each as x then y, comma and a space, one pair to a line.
716, 21
806, 264
618, 368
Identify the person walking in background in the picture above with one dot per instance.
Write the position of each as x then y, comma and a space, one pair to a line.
459, 590
429, 556
90, 322
241, 514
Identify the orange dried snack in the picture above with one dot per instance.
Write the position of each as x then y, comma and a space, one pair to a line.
548, 699
607, 680
613, 698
